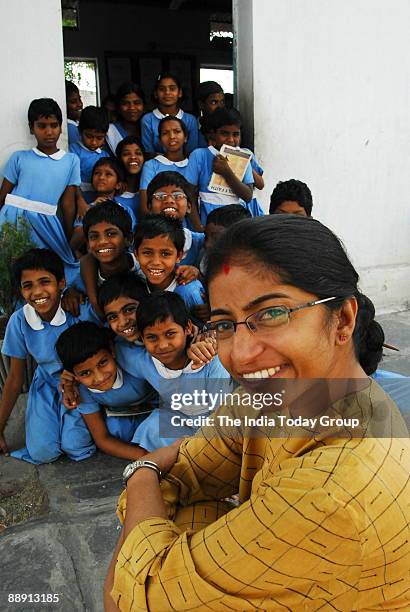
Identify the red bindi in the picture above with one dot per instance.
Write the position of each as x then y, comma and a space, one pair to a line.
226, 268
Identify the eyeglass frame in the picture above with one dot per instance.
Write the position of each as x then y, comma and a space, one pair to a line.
181, 195
210, 325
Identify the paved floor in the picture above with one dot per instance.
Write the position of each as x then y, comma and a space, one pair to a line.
65, 549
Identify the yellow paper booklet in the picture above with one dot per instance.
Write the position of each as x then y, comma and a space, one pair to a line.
238, 160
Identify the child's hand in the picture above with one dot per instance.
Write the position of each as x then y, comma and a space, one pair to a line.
202, 352
3, 445
221, 165
121, 188
82, 208
101, 199
186, 274
71, 300
69, 389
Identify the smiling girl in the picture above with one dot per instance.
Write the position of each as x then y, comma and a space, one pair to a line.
130, 102
130, 154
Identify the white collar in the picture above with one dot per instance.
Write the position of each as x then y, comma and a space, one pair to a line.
128, 194
72, 122
188, 239
36, 322
57, 155
171, 287
164, 160
213, 150
118, 382
98, 151
157, 113
168, 373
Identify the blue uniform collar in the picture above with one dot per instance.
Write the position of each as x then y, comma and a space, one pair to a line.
57, 155
157, 113
36, 322
118, 383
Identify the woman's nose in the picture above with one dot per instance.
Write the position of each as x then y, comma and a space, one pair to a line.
246, 347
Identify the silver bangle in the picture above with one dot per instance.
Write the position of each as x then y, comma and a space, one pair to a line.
131, 468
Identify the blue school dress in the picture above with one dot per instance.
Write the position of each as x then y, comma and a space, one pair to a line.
130, 201
126, 393
199, 172
51, 429
398, 387
73, 131
194, 242
149, 130
88, 159
191, 293
39, 181
157, 430
116, 133
161, 164
254, 206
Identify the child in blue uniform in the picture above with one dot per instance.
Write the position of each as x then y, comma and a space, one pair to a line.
130, 102
166, 329
108, 231
130, 154
33, 330
112, 402
93, 128
225, 128
74, 108
159, 243
37, 180
291, 197
170, 194
168, 94
210, 96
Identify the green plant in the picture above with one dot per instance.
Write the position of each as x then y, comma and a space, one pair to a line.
15, 240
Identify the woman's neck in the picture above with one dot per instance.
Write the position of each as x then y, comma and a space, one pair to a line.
133, 182
175, 156
118, 266
169, 110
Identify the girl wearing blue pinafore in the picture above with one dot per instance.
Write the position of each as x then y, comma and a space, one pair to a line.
130, 154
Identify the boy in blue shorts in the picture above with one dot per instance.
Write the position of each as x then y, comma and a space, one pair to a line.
51, 430
93, 128
39, 181
112, 402
224, 128
166, 330
159, 243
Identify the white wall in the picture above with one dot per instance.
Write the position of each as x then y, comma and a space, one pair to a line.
331, 107
31, 66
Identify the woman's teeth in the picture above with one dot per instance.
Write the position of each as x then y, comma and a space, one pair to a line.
263, 373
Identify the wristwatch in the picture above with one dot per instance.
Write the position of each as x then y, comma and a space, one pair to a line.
131, 468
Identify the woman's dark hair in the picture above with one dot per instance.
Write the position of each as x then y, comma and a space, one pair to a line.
128, 140
160, 306
114, 164
152, 226
38, 259
172, 118
128, 88
292, 190
221, 117
122, 285
43, 107
169, 177
82, 341
108, 212
306, 254
93, 118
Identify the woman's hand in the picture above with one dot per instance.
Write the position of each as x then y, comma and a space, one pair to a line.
164, 457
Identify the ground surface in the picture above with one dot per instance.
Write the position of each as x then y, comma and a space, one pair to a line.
66, 545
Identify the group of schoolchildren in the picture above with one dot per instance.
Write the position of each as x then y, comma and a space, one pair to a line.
114, 298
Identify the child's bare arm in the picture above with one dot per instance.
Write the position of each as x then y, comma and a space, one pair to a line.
193, 216
202, 351
107, 443
258, 180
5, 189
77, 240
186, 274
143, 203
11, 391
222, 167
69, 208
89, 271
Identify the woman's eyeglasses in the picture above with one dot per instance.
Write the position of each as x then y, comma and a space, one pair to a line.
176, 196
262, 320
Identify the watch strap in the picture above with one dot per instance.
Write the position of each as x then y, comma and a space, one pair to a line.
142, 463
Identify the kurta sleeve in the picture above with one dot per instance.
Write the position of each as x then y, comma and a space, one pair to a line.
289, 544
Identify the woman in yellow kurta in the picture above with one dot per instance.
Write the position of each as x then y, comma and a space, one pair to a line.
323, 519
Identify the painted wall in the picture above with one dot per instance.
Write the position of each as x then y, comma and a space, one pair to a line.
140, 28
331, 107
31, 66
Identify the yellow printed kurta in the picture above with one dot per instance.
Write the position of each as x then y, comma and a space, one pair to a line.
323, 524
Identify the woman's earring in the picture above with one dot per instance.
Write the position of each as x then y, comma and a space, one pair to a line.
342, 338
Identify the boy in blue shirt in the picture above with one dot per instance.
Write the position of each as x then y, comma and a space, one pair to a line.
37, 181
159, 243
165, 328
74, 108
224, 128
33, 330
93, 128
112, 402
